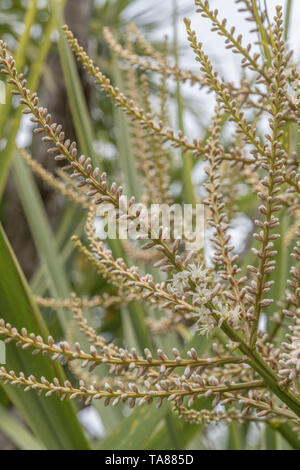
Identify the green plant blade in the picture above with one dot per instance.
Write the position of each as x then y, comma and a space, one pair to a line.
133, 431
42, 235
85, 136
33, 80
20, 56
189, 191
53, 421
124, 144
136, 431
290, 436
52, 261
161, 440
17, 432
77, 101
43, 239
187, 432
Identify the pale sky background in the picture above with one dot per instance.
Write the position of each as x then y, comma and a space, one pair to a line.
227, 63
227, 9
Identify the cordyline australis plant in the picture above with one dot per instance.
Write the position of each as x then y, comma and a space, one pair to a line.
254, 374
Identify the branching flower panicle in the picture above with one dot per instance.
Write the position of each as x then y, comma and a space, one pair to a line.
251, 373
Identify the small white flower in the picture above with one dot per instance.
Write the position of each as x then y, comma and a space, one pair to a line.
230, 314
236, 314
206, 322
180, 281
198, 273
202, 295
206, 329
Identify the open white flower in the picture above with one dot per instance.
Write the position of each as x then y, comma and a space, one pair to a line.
198, 273
180, 282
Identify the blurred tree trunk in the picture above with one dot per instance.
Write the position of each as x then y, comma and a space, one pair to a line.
53, 95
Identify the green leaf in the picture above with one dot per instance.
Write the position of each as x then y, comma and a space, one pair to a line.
163, 441
42, 235
54, 422
33, 80
134, 431
124, 144
189, 191
85, 136
52, 261
20, 57
138, 430
289, 8
77, 103
49, 255
74, 89
289, 435
139, 335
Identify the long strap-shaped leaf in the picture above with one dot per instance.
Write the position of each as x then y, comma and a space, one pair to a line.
42, 235
134, 431
129, 166
52, 262
77, 101
33, 80
53, 421
137, 431
20, 57
85, 136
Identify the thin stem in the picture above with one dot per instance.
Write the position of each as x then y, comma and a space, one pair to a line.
260, 366
189, 191
68, 390
262, 32
289, 435
287, 22
63, 349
